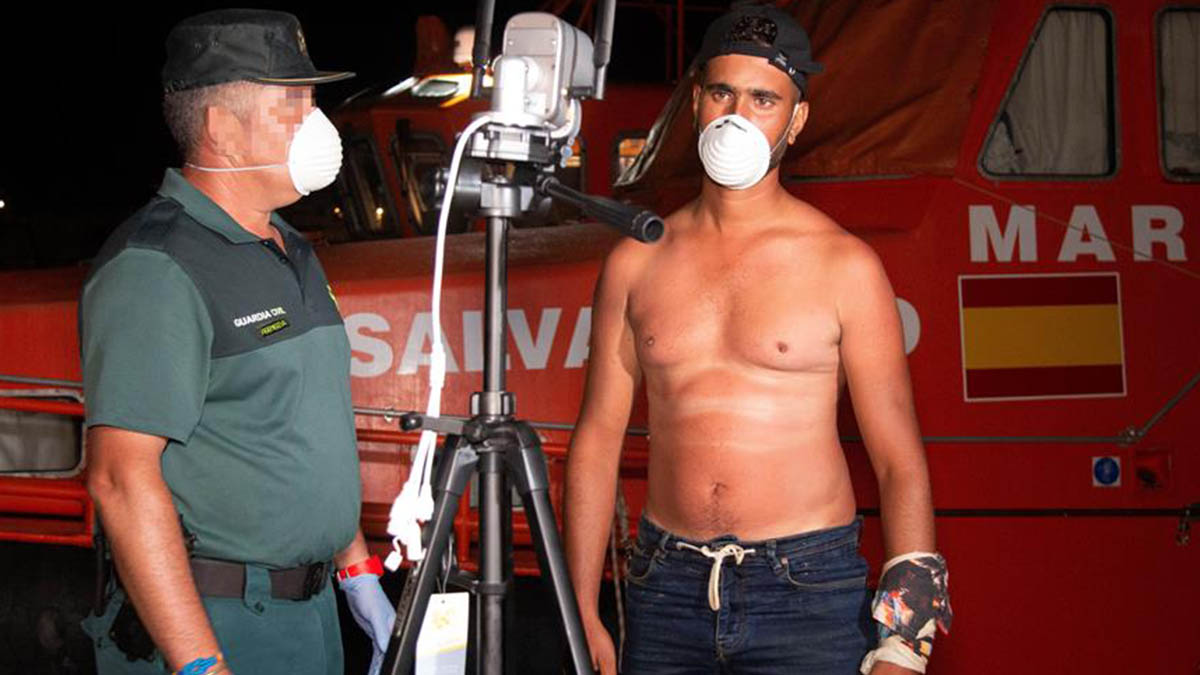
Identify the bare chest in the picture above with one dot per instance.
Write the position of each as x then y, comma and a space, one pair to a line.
770, 311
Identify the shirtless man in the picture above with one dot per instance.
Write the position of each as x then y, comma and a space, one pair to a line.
744, 322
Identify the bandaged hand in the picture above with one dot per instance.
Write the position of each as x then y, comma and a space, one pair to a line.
888, 668
912, 603
372, 611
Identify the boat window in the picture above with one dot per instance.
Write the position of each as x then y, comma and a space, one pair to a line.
1179, 91
362, 192
1059, 117
38, 442
626, 149
418, 156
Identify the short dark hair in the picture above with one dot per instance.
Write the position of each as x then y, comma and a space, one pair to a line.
183, 110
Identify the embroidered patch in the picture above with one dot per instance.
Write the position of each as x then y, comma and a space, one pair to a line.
273, 328
258, 316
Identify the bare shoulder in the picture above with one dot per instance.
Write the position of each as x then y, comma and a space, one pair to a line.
805, 224
854, 258
624, 264
856, 274
629, 257
850, 263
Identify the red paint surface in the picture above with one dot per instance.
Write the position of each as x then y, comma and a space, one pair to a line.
1111, 595
1045, 381
1039, 291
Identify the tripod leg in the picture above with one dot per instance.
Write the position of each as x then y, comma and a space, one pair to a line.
410, 611
495, 563
528, 466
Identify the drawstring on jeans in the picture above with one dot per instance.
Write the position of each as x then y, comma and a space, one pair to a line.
718, 557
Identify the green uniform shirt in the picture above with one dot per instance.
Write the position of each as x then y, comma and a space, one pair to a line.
194, 329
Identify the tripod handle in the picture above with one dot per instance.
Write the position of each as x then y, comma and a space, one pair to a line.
631, 221
442, 425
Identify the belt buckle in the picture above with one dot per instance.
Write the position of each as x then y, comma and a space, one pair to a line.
314, 581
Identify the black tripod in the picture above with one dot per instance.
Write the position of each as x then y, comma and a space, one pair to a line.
498, 447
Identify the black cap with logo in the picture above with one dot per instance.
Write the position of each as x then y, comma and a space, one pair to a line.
766, 31
229, 45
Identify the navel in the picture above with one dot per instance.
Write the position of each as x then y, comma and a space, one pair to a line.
782, 347
714, 510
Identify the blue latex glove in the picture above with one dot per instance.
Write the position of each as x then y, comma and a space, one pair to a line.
372, 611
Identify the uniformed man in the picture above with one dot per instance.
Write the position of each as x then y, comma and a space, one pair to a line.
744, 322
221, 445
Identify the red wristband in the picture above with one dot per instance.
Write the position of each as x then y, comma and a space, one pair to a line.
369, 566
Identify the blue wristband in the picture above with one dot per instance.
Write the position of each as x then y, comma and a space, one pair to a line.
199, 666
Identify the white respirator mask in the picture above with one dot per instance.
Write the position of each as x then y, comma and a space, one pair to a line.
314, 157
735, 152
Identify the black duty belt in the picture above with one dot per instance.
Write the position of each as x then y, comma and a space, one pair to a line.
224, 579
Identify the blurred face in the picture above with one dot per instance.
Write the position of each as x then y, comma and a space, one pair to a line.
750, 87
262, 134
272, 124
275, 118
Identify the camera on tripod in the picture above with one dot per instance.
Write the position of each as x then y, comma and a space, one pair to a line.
547, 65
546, 68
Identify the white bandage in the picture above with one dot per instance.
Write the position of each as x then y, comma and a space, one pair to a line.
893, 650
912, 603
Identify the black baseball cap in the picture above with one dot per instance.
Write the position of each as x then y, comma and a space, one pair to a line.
229, 45
766, 31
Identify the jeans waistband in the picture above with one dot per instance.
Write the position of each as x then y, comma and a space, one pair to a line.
654, 538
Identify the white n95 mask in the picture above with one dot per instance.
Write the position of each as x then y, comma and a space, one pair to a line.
314, 157
735, 152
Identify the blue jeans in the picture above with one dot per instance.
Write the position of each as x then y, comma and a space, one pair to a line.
794, 605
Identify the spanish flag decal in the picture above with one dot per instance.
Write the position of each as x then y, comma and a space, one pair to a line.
1036, 336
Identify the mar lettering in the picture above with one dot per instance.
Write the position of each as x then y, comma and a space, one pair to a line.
1156, 233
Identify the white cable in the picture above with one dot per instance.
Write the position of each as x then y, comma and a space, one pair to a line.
414, 504
570, 125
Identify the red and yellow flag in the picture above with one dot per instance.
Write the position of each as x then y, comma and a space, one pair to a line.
1041, 336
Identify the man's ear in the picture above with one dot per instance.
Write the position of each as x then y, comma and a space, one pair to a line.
223, 131
798, 121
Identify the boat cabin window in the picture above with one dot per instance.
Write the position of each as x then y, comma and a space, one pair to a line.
1179, 91
38, 442
418, 155
1058, 118
365, 205
626, 149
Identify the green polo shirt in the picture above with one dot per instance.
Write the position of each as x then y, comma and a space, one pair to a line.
194, 329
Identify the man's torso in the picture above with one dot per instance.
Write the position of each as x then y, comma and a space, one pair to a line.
737, 336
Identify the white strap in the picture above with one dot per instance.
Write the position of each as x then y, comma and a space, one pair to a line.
414, 504
718, 557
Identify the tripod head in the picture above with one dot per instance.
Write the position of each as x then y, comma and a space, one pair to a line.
547, 67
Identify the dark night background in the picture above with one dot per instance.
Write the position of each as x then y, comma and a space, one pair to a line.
83, 144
